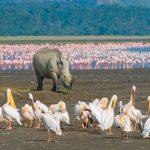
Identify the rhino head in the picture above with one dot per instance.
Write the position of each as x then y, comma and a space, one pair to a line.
65, 75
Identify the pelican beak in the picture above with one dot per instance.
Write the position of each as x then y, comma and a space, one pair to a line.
149, 106
114, 102
10, 98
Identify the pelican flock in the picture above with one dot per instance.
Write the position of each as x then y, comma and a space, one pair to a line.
98, 114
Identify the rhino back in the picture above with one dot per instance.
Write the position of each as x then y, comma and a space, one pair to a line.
45, 60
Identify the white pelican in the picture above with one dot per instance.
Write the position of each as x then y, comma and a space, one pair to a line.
134, 114
52, 124
108, 115
27, 114
36, 111
62, 112
97, 109
9, 110
123, 122
2, 119
82, 113
42, 106
146, 130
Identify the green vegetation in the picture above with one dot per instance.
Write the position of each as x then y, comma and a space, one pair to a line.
70, 39
51, 18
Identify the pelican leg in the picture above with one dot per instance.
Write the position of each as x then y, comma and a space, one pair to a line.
85, 125
49, 135
82, 125
9, 125
38, 124
26, 123
94, 126
52, 136
127, 135
124, 135
30, 123
121, 133
109, 131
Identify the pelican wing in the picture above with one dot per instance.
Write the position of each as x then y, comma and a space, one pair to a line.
107, 119
13, 113
146, 130
77, 111
30, 110
42, 106
51, 123
65, 117
96, 113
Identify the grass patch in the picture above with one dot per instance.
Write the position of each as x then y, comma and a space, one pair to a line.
70, 39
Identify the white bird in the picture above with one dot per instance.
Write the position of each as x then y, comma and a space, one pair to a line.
134, 114
124, 123
42, 106
10, 113
52, 124
146, 130
62, 112
96, 114
108, 115
97, 108
27, 114
82, 113
36, 111
1, 115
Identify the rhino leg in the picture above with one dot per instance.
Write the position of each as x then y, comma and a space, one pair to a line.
40, 82
56, 86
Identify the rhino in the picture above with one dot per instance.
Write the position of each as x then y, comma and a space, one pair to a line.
51, 64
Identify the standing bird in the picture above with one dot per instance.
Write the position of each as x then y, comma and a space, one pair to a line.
82, 113
134, 114
62, 113
97, 110
108, 115
27, 114
52, 124
146, 130
123, 122
36, 111
9, 110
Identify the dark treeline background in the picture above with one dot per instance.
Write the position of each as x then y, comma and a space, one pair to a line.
70, 18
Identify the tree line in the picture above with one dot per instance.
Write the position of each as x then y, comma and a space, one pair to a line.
52, 18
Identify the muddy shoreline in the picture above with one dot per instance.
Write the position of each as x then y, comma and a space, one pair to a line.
88, 85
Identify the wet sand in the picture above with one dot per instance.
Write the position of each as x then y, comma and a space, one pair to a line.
88, 85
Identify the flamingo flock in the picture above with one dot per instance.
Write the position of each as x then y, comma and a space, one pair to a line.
98, 114
81, 56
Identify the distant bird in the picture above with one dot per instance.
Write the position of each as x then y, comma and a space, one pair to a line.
9, 110
36, 111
